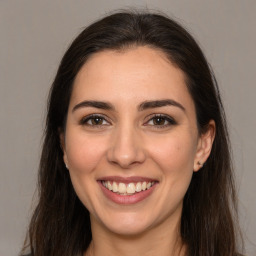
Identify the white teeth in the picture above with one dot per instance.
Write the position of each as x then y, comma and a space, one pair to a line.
109, 185
122, 188
127, 189
148, 185
138, 187
115, 187
144, 185
130, 188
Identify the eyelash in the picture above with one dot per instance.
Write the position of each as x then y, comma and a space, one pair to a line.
170, 121
164, 118
86, 119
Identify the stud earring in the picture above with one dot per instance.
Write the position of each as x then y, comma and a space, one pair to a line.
66, 165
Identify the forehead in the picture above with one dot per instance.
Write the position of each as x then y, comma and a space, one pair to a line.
130, 75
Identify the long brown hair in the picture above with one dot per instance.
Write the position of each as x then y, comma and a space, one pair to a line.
60, 224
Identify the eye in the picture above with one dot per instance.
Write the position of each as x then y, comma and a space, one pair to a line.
94, 120
161, 121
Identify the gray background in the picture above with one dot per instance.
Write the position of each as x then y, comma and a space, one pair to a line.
33, 37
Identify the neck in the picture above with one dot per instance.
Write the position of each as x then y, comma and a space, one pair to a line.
156, 241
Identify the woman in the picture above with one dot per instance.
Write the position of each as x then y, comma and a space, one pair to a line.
136, 156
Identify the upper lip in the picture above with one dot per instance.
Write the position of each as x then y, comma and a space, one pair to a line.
132, 179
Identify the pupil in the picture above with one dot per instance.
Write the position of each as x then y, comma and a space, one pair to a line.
159, 121
97, 120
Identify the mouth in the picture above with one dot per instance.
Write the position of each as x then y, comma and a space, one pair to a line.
129, 190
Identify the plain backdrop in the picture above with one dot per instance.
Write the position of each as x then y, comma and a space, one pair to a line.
33, 37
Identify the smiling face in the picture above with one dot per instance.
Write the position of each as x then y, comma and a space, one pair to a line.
131, 142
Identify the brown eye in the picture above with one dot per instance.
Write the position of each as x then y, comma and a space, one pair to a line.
94, 120
97, 121
159, 120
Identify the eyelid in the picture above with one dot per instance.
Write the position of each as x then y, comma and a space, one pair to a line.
85, 119
171, 120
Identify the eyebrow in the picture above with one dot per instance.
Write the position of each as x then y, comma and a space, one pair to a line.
94, 104
143, 106
160, 103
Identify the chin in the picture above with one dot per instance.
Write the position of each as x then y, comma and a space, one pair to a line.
127, 224
124, 229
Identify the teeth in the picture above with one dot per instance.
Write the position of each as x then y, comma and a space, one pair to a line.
148, 185
109, 185
122, 188
130, 188
138, 187
127, 189
115, 187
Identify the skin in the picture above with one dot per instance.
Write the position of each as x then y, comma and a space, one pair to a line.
129, 142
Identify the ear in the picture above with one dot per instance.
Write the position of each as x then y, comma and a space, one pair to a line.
63, 147
204, 146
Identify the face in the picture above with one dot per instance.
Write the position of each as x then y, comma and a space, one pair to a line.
131, 142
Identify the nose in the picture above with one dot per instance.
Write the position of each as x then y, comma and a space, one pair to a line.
126, 148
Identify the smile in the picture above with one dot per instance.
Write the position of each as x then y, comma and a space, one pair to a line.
127, 189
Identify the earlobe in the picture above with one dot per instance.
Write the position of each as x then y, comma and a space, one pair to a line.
204, 146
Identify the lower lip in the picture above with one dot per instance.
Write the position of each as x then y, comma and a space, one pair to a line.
127, 199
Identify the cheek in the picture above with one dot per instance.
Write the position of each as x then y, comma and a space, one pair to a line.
84, 152
174, 153
174, 157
